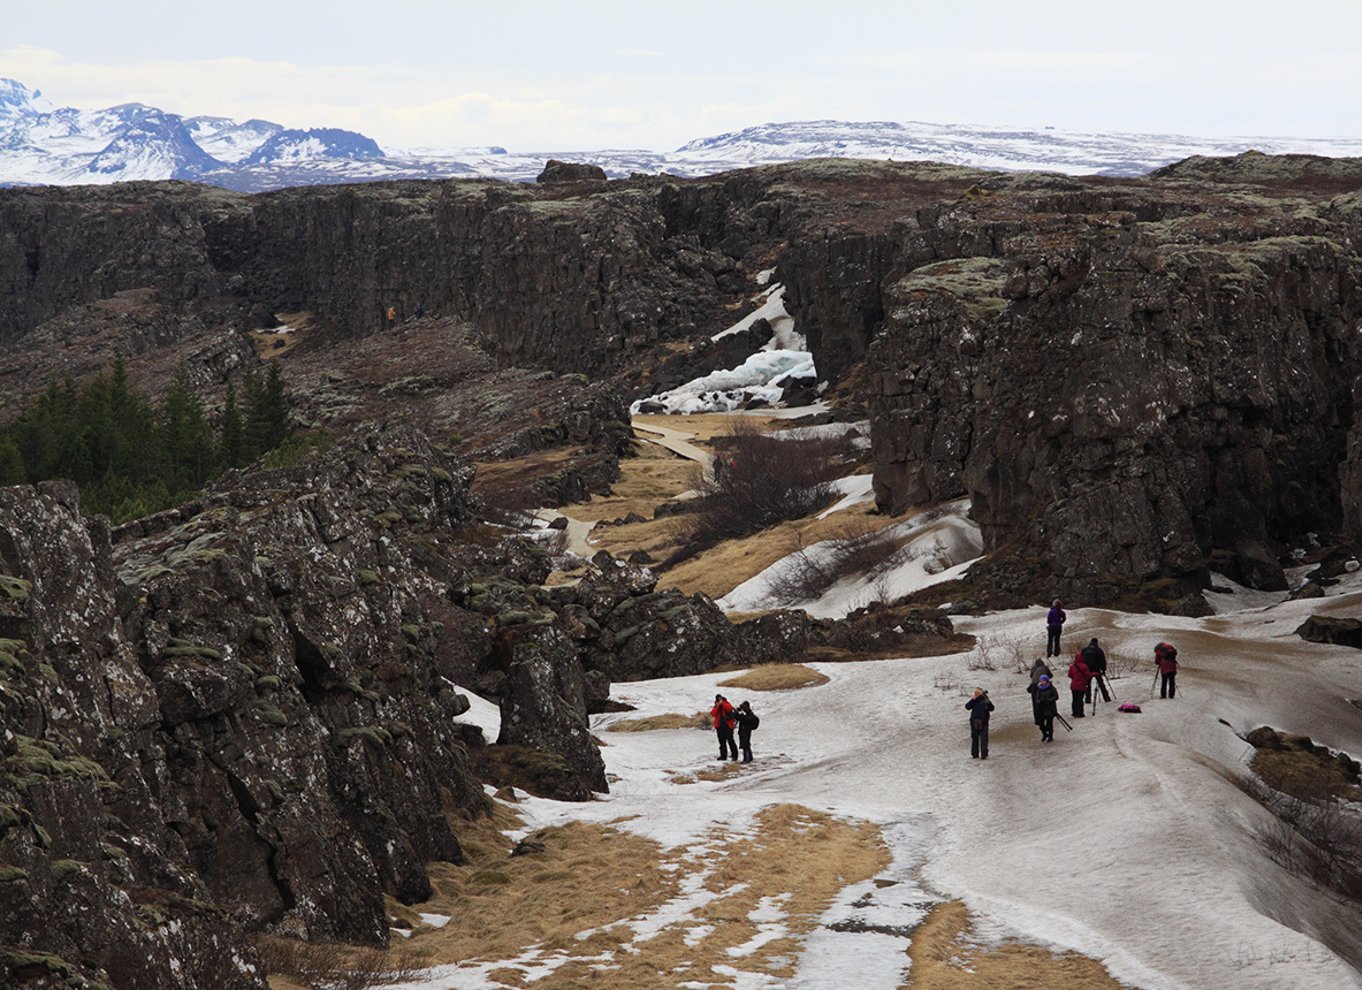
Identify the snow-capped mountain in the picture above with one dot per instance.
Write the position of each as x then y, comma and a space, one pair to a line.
294, 146
45, 145
41, 144
228, 140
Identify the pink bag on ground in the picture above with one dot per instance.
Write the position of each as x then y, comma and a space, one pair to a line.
1128, 706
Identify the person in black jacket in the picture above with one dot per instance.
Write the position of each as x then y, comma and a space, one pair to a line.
747, 721
978, 707
1046, 701
1097, 664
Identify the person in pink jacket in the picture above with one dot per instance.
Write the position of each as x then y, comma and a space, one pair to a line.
1166, 659
1080, 676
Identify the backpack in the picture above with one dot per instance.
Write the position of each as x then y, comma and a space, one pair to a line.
752, 720
1128, 706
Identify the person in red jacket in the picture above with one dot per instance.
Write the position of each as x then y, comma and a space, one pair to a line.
1080, 676
1166, 659
722, 713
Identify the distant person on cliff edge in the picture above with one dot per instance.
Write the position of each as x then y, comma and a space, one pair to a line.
747, 721
1166, 659
1054, 623
392, 317
978, 707
722, 713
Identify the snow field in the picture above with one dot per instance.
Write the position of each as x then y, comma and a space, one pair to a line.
1125, 840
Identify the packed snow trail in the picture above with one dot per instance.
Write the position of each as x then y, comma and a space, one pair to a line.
1125, 840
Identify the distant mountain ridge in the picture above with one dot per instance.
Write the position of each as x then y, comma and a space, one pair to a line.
44, 145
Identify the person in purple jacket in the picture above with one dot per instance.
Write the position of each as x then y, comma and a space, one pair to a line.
1054, 622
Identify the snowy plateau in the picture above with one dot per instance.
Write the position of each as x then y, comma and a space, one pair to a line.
1125, 841
41, 144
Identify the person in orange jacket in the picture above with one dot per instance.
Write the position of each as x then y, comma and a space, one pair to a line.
722, 713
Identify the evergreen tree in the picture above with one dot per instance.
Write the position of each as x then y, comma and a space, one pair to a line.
232, 445
12, 470
185, 435
266, 411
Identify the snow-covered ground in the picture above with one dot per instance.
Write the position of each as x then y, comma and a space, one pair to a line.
1125, 840
761, 377
933, 547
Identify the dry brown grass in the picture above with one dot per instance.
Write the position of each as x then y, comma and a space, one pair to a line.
704, 427
591, 879
776, 677
944, 958
719, 570
671, 720
1303, 774
652, 476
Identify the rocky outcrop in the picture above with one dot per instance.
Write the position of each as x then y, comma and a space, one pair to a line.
1332, 629
556, 171
242, 715
1124, 401
95, 875
1135, 381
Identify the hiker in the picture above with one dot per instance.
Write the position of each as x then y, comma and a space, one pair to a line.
420, 309
978, 707
1166, 659
1038, 669
747, 721
392, 317
1096, 660
1054, 622
1046, 701
1080, 680
722, 713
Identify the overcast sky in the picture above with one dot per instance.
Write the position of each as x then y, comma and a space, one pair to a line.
584, 74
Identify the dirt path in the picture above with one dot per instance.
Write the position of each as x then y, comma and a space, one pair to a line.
677, 441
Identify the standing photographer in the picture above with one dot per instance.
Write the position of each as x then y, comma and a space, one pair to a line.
978, 707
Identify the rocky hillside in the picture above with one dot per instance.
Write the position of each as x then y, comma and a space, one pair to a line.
242, 715
1135, 381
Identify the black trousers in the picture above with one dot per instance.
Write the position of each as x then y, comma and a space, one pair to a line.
1047, 726
1099, 682
726, 743
1167, 687
978, 738
745, 742
1052, 640
1077, 706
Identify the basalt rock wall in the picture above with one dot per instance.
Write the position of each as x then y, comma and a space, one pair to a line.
1133, 387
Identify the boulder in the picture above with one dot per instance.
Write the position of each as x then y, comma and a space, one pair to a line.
558, 172
1331, 629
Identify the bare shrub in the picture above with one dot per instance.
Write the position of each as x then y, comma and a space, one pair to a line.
856, 547
1316, 837
998, 653
758, 481
326, 966
1124, 665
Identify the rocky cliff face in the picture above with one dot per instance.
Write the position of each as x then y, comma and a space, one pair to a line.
242, 715
1130, 388
1133, 380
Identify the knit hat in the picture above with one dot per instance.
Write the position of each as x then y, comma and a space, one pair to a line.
1045, 678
